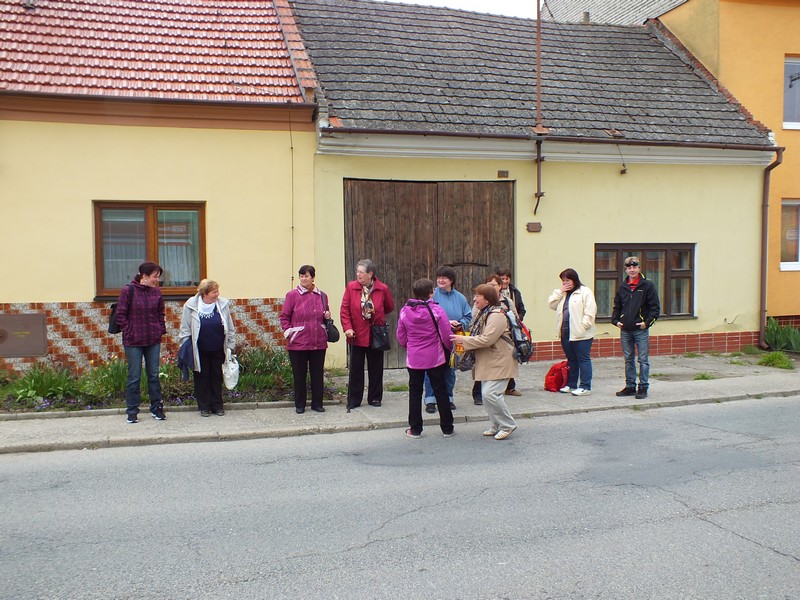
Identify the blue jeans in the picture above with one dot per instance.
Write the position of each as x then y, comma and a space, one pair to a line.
579, 362
133, 394
450, 382
631, 341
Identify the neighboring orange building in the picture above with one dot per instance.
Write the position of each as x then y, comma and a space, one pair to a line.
752, 47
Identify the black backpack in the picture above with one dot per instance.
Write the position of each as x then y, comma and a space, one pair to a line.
113, 326
520, 338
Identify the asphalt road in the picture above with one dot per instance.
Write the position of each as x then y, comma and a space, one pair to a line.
692, 502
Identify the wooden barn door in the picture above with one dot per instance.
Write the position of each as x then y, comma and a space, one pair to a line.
409, 229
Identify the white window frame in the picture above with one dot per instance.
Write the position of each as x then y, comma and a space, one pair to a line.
796, 61
794, 265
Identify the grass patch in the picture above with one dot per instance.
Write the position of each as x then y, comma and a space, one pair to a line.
692, 355
703, 376
338, 372
736, 361
636, 407
734, 354
752, 350
776, 359
397, 387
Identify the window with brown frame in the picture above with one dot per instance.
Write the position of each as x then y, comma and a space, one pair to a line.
669, 266
171, 234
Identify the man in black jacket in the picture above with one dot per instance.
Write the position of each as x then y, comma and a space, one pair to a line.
636, 308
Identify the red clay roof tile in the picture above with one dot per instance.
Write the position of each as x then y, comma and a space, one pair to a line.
194, 50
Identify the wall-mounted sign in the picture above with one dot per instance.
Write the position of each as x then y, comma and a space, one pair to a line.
23, 335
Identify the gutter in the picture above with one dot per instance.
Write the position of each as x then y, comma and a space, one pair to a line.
762, 315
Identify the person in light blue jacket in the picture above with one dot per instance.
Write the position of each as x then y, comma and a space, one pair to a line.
460, 314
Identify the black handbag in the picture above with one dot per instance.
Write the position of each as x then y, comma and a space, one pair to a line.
379, 338
330, 328
113, 326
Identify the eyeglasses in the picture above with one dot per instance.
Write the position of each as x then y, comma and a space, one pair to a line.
633, 263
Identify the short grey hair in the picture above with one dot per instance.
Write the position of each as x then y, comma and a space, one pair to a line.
368, 265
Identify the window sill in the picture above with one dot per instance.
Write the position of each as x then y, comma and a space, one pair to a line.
788, 125
790, 266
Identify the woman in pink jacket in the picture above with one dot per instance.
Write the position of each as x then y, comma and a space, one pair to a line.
366, 302
302, 320
424, 330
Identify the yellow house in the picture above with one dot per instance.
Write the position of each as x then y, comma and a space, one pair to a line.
753, 49
428, 156
186, 144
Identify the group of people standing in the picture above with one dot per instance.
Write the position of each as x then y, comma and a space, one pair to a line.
430, 324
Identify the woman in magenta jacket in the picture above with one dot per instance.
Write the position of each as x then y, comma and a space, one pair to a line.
302, 317
366, 302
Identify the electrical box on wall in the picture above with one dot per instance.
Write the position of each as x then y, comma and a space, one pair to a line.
23, 335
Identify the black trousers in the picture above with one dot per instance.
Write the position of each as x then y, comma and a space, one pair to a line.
416, 390
355, 383
208, 382
302, 362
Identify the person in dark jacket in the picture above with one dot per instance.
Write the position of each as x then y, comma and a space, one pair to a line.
141, 318
302, 319
509, 291
365, 303
636, 308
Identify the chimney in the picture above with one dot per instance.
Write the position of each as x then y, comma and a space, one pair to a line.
586, 18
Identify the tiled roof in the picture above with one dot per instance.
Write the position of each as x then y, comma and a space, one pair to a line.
619, 12
397, 67
193, 50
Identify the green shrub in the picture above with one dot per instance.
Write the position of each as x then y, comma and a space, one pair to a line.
782, 337
105, 380
44, 386
776, 359
265, 368
703, 376
752, 350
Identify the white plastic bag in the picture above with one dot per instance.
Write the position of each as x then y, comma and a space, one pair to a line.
230, 370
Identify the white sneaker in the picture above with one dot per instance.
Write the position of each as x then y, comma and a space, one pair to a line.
565, 390
581, 392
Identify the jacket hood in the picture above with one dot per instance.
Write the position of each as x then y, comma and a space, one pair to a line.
417, 312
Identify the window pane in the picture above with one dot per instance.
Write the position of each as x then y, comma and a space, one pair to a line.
123, 233
604, 296
681, 260
791, 91
654, 268
789, 226
680, 296
605, 260
179, 247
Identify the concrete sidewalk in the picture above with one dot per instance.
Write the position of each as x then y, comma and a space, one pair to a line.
672, 383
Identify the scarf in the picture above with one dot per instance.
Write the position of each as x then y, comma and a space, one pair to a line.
366, 302
205, 310
476, 327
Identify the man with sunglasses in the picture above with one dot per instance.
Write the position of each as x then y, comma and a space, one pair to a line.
636, 308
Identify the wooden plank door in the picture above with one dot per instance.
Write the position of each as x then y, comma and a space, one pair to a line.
410, 228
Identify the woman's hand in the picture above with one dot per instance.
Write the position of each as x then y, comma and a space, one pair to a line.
326, 314
566, 285
349, 333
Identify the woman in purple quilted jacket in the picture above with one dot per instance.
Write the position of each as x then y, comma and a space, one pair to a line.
141, 318
302, 320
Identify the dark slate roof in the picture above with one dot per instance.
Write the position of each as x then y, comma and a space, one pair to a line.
404, 68
196, 50
619, 12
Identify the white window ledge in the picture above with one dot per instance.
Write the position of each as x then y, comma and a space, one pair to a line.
790, 266
789, 125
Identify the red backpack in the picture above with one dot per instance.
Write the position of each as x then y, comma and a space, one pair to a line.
556, 377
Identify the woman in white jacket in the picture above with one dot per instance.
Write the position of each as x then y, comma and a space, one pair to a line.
206, 321
576, 310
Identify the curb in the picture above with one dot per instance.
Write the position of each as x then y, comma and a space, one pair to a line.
189, 438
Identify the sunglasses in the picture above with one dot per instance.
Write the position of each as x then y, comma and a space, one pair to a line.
633, 263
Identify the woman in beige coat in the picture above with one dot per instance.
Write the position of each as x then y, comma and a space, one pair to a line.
494, 359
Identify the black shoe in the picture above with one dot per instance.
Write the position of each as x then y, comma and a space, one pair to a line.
219, 412
452, 406
318, 408
376, 403
158, 414
299, 411
627, 391
205, 413
430, 408
641, 393
133, 419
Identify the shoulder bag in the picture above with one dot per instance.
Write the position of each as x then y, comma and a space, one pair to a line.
330, 327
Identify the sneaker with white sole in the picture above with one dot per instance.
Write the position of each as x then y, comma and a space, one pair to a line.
504, 433
581, 392
565, 390
451, 434
413, 435
490, 432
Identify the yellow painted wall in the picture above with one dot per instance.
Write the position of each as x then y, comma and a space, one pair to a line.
714, 206
696, 24
754, 37
51, 172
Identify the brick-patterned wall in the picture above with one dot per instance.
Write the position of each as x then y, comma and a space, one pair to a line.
793, 321
659, 344
76, 331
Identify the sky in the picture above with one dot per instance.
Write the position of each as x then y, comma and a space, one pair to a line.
513, 8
